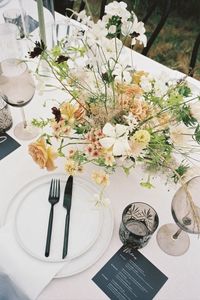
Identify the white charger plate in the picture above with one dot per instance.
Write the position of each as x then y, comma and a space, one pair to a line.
95, 249
32, 216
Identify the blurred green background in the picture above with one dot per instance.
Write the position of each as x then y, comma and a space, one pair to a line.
174, 44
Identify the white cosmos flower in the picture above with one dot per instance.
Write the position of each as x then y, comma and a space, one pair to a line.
83, 18
139, 29
77, 62
122, 73
160, 88
180, 134
116, 137
96, 33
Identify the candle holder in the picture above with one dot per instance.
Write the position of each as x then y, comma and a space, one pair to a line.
139, 222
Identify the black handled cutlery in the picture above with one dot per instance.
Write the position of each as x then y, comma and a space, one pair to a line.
54, 195
67, 201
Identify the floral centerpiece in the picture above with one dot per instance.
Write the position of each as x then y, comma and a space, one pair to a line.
114, 116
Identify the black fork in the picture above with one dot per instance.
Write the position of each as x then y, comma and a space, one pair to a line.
54, 195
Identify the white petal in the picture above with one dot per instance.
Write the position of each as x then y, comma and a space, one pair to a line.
107, 142
109, 130
120, 130
121, 147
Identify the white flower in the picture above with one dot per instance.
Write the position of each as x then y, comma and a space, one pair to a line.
180, 134
139, 30
100, 200
195, 110
131, 121
83, 18
122, 73
127, 28
77, 63
112, 29
94, 34
145, 83
116, 137
160, 88
117, 9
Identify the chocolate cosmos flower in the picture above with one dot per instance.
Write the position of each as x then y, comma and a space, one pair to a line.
56, 112
37, 50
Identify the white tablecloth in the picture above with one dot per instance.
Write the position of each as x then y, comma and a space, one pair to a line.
183, 272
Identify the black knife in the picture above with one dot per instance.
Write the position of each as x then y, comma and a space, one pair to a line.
67, 201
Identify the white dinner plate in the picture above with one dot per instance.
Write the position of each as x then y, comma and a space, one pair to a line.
32, 216
81, 258
90, 257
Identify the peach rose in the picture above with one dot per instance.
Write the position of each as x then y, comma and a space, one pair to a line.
140, 109
42, 154
129, 89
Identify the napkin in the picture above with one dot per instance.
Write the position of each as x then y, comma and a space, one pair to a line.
24, 272
8, 289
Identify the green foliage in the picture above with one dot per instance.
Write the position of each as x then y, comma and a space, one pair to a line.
79, 157
82, 129
184, 114
179, 172
158, 152
147, 184
175, 99
184, 90
40, 123
196, 135
114, 20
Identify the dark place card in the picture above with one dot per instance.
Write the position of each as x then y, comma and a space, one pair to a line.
7, 145
129, 275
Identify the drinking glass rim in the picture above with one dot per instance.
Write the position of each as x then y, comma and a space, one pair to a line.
139, 202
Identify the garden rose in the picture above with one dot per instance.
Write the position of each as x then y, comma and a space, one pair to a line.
42, 154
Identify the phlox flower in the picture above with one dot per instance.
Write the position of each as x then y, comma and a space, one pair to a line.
117, 9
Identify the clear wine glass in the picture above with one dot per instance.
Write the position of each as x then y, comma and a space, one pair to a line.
17, 88
185, 208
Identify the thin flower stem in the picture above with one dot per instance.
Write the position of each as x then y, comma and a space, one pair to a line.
75, 143
66, 87
64, 73
163, 111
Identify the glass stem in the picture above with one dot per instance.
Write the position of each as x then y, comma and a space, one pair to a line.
23, 117
176, 235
